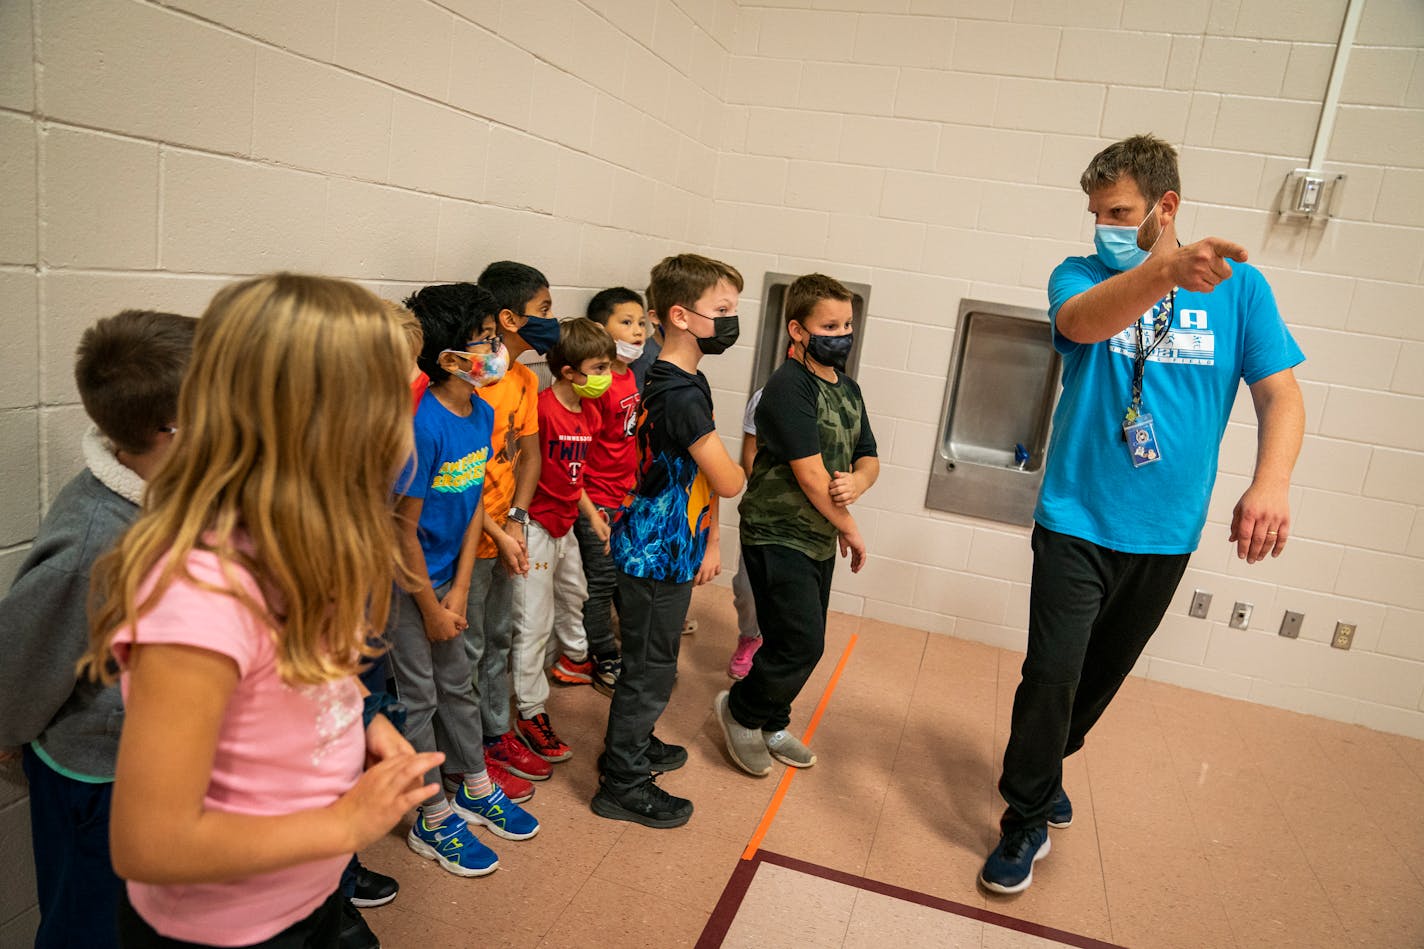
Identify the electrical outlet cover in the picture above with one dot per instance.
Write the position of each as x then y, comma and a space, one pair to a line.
1201, 603
1344, 635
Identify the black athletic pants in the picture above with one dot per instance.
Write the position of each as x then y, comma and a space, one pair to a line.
792, 593
1091, 612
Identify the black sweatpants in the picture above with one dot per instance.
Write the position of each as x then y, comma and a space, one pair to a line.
792, 593
651, 618
1091, 612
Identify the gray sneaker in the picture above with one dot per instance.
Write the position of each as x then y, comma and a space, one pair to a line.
787, 748
745, 745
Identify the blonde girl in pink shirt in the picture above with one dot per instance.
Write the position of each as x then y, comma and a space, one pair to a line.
238, 607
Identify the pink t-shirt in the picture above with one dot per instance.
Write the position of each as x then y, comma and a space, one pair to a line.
281, 748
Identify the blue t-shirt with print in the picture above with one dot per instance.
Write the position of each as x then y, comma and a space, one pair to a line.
1090, 487
449, 473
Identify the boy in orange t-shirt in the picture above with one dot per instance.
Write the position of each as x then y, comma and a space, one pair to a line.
510, 478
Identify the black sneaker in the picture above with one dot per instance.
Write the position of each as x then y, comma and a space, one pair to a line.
1009, 868
662, 757
665, 757
373, 889
606, 670
355, 934
645, 804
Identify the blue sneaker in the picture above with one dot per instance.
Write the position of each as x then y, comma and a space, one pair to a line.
1060, 812
1009, 868
496, 811
453, 845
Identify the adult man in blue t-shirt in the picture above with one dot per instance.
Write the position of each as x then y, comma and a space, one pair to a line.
1155, 338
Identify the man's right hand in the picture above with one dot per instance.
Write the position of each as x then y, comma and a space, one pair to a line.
1201, 266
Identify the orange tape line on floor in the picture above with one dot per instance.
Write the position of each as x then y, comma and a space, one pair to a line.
790, 773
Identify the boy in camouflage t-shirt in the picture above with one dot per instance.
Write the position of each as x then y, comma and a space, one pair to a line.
815, 456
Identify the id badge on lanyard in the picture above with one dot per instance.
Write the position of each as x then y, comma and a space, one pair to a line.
1138, 433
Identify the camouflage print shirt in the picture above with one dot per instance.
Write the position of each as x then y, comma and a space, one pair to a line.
801, 415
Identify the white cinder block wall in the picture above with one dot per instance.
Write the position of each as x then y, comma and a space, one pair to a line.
149, 152
932, 148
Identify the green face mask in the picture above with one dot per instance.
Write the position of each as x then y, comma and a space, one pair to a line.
593, 386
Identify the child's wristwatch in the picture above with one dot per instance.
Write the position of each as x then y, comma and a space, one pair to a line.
519, 516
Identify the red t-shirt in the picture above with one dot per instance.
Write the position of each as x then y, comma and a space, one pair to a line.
564, 439
613, 456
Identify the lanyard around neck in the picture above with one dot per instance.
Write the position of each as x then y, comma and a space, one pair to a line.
1161, 328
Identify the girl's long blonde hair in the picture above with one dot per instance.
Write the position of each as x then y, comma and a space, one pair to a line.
293, 423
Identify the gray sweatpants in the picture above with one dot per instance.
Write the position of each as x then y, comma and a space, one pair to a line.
433, 682
488, 639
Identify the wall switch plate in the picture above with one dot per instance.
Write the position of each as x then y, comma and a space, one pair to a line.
1311, 193
1344, 635
1201, 602
1241, 615
1290, 624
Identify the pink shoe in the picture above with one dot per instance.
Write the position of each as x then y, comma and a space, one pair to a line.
741, 662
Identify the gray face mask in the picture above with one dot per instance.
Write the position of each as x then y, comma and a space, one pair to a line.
830, 351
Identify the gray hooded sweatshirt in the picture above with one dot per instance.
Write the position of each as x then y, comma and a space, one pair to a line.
44, 624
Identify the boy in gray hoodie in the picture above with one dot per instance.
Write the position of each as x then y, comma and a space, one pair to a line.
128, 369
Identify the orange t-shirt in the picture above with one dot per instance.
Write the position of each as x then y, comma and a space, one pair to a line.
515, 400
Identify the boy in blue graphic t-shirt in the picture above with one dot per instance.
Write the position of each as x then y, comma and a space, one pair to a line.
660, 534
1156, 339
441, 518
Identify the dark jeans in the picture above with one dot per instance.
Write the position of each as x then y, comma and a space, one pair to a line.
792, 593
1091, 612
320, 930
374, 679
78, 891
602, 577
652, 616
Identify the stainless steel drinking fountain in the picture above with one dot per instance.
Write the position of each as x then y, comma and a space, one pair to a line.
998, 410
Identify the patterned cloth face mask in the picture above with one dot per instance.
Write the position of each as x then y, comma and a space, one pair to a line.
485, 368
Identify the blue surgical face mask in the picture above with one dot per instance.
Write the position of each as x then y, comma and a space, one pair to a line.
1117, 244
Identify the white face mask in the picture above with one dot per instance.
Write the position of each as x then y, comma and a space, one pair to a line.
627, 351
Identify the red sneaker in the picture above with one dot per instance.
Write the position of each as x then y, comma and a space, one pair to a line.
515, 788
539, 735
568, 672
508, 783
510, 754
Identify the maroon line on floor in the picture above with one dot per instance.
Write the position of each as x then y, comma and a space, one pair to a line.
736, 890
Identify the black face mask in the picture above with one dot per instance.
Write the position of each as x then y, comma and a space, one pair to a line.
830, 351
724, 334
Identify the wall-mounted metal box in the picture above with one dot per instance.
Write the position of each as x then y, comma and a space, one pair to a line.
997, 413
772, 338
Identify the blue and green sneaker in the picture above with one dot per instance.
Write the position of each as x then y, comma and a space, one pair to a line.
496, 811
453, 845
